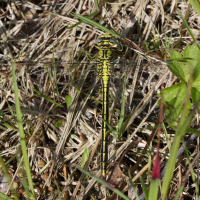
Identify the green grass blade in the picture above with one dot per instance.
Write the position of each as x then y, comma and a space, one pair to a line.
22, 49
132, 185
47, 98
112, 130
11, 111
192, 130
188, 28
181, 130
171, 164
55, 78
122, 113
178, 193
89, 16
11, 159
3, 197
21, 131
144, 188
54, 87
196, 5
104, 183
9, 126
149, 163
191, 169
6, 174
95, 24
59, 193
46, 166
153, 190
81, 21
166, 135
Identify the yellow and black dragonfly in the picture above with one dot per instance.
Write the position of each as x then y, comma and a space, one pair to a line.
103, 64
104, 70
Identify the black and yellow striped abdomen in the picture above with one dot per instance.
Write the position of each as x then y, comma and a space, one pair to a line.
105, 81
104, 70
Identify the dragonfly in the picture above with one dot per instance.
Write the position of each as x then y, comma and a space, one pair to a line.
103, 63
104, 70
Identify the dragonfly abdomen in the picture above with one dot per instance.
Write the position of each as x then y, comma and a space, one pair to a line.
105, 114
104, 67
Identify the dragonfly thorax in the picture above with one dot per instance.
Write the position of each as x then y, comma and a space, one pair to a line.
105, 54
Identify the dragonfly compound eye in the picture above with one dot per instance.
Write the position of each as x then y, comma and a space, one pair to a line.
112, 41
99, 40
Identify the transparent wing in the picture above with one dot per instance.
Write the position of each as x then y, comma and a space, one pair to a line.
70, 74
75, 68
181, 68
62, 77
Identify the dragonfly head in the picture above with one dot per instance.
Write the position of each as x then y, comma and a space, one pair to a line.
105, 41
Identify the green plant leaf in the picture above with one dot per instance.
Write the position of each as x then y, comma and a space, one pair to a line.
59, 123
196, 75
178, 66
68, 101
72, 136
174, 98
85, 157
181, 66
195, 93
186, 67
192, 52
